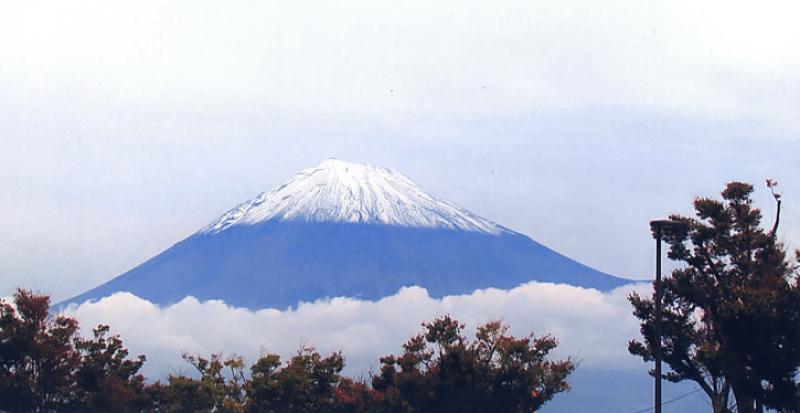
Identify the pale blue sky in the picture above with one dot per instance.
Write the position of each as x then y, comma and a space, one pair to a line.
126, 127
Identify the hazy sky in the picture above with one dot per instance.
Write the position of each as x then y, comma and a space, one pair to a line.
127, 126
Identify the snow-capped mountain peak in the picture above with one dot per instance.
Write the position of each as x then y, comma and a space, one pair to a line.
297, 256
344, 192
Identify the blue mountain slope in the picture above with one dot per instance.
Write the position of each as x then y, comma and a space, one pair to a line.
344, 229
278, 264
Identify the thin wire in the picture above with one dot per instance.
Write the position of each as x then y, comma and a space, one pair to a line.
670, 401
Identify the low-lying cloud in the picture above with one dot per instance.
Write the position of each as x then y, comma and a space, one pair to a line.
590, 325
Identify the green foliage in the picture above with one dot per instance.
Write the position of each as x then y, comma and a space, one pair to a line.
307, 384
182, 394
225, 392
731, 315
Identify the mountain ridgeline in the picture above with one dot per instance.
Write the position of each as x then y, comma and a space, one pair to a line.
345, 229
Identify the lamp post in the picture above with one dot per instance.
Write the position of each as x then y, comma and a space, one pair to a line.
657, 226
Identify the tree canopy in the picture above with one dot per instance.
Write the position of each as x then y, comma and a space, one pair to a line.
441, 371
45, 366
731, 313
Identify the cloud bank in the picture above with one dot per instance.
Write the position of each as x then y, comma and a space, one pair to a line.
591, 326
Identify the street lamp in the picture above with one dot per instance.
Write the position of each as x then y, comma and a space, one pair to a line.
657, 226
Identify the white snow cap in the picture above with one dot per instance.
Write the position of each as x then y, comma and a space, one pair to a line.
338, 191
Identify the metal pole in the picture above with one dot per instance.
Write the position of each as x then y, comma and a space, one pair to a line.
657, 343
657, 226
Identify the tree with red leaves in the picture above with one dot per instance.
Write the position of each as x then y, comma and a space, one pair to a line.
442, 371
37, 357
46, 367
106, 380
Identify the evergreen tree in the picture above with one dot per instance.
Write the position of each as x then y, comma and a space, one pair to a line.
731, 315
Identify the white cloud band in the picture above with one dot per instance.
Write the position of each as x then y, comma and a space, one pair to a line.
590, 325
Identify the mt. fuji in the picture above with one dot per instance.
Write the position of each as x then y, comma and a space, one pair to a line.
338, 191
345, 229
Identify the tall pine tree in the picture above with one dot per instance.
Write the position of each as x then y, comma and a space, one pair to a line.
731, 315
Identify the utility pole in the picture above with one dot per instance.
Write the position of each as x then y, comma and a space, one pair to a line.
657, 226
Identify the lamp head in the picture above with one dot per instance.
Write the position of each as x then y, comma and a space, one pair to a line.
658, 225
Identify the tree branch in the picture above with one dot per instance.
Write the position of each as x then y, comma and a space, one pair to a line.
777, 219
